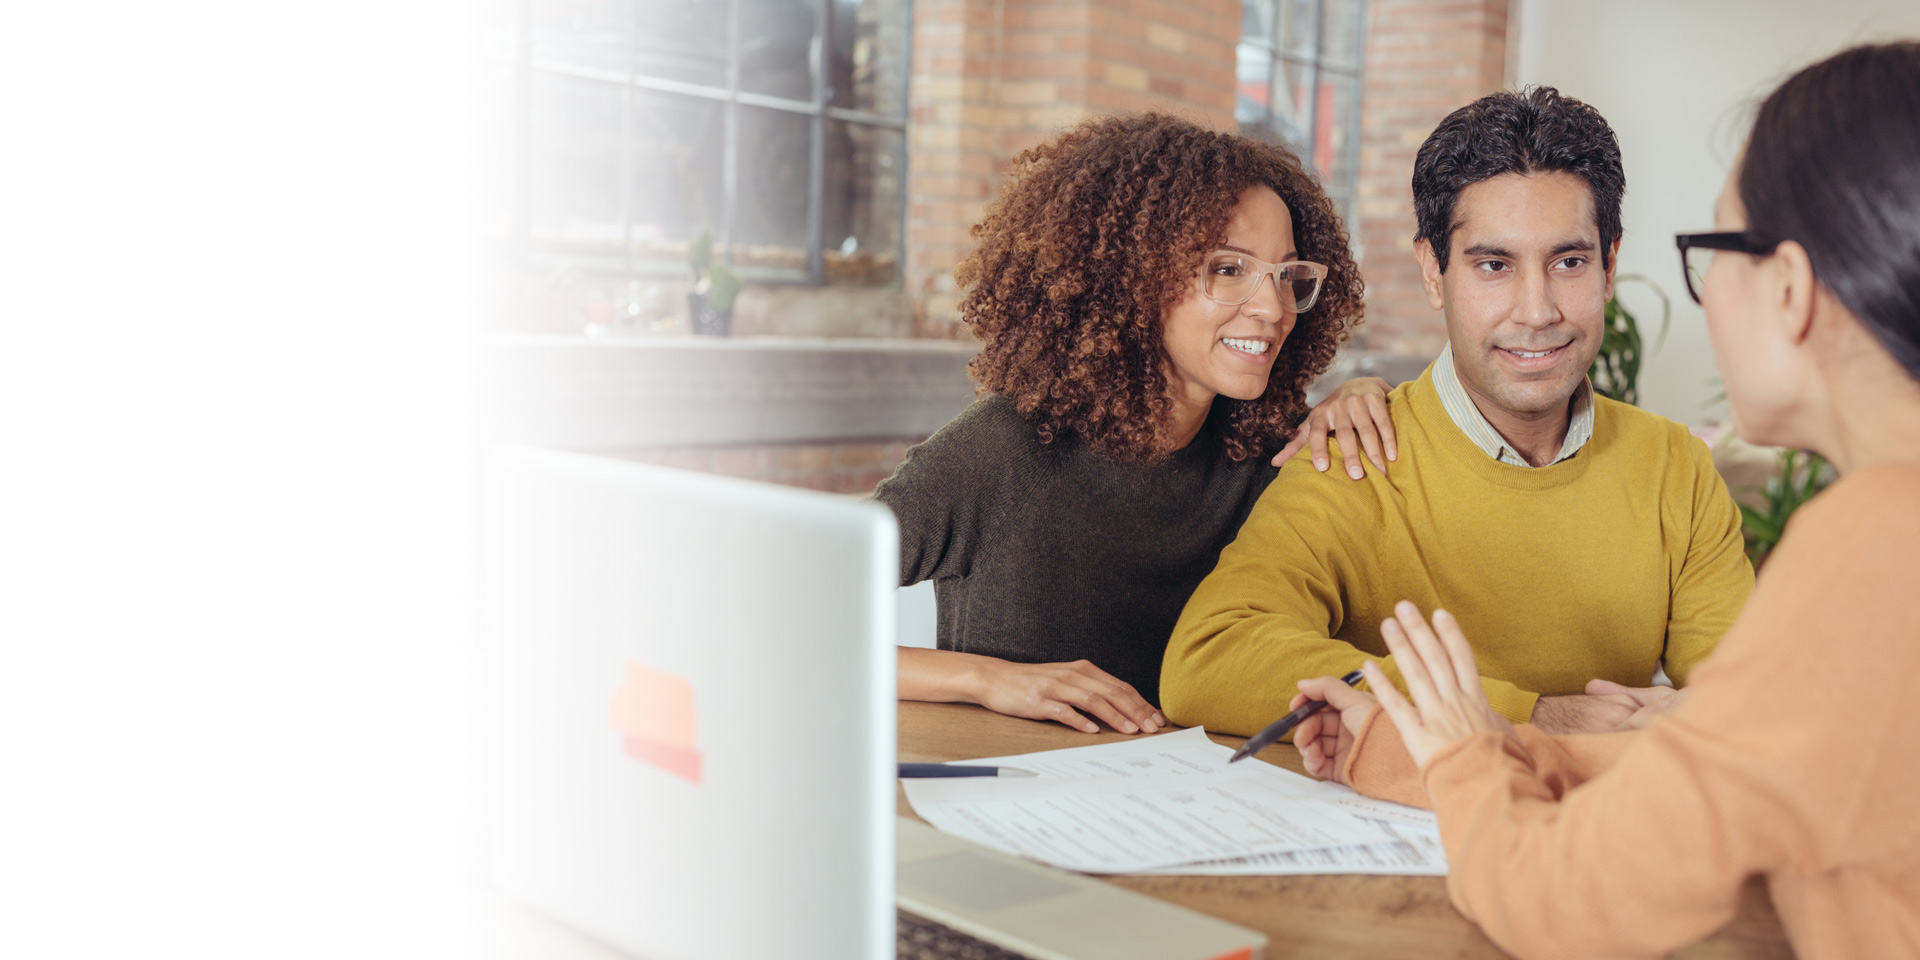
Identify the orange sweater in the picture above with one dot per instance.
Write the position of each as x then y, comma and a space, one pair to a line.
1796, 755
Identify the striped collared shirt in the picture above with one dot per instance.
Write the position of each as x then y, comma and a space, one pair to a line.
1466, 416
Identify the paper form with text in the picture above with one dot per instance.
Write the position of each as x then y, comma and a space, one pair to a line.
1172, 804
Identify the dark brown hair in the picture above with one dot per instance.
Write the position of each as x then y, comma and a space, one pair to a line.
1529, 131
1834, 165
1095, 235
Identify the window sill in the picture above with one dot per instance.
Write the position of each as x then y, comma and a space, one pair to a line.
619, 393
615, 393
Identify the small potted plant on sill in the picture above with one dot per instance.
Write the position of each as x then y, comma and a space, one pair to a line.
710, 302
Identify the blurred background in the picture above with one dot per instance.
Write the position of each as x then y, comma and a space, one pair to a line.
826, 158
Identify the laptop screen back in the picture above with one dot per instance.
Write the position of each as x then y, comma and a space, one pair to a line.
691, 708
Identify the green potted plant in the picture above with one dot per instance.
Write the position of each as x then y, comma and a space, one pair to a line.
1616, 369
1803, 474
710, 302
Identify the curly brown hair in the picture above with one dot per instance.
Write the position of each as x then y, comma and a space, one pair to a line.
1095, 235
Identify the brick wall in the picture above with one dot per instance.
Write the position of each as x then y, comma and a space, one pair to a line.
994, 77
1424, 59
950, 169
832, 467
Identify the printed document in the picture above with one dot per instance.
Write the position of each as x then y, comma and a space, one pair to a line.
1412, 852
1172, 804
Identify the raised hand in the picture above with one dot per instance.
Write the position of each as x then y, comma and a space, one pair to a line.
1437, 663
1356, 414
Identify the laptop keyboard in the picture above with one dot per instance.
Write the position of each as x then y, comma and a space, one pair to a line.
917, 938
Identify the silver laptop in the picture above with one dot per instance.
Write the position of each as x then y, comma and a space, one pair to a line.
691, 740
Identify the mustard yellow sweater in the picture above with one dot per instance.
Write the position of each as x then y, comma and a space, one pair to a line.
1604, 565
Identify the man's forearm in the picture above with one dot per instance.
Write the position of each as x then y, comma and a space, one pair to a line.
1580, 713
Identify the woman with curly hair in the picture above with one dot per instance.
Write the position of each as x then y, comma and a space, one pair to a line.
1154, 299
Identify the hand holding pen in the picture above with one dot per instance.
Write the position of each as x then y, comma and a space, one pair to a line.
1279, 728
1448, 701
1326, 738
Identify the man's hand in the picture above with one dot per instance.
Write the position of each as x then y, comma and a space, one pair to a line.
1356, 414
1652, 701
1326, 738
1063, 692
1578, 713
1437, 663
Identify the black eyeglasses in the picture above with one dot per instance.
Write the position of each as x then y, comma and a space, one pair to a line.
1696, 251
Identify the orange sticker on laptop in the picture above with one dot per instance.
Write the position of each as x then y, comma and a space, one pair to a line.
653, 714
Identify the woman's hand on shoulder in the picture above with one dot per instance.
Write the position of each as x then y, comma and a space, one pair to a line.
1067, 693
1355, 413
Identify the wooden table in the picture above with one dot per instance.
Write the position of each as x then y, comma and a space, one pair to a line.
1317, 916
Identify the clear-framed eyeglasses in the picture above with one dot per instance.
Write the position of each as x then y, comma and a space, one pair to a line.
1233, 278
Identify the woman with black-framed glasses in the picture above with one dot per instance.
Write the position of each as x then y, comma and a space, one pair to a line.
1696, 253
1794, 754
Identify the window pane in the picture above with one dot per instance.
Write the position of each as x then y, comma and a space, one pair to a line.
1299, 28
770, 226
576, 164
1333, 138
776, 47
1340, 44
868, 69
678, 156
1253, 76
1290, 106
862, 221
683, 40
1256, 23
581, 33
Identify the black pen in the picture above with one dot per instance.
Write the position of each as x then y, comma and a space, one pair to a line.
958, 770
1277, 729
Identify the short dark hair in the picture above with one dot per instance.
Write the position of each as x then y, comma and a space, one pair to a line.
1833, 164
1535, 130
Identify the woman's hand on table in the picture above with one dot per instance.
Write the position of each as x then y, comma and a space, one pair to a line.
1356, 414
1437, 664
1067, 693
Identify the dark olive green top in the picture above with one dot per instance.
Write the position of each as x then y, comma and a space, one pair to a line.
1049, 552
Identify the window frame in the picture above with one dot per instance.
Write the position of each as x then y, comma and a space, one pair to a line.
819, 110
1341, 190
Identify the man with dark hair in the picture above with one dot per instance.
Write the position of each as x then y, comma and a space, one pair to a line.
1582, 543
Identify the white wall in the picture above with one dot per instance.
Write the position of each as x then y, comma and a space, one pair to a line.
1678, 80
919, 616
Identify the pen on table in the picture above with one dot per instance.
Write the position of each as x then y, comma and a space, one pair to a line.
1277, 729
958, 770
